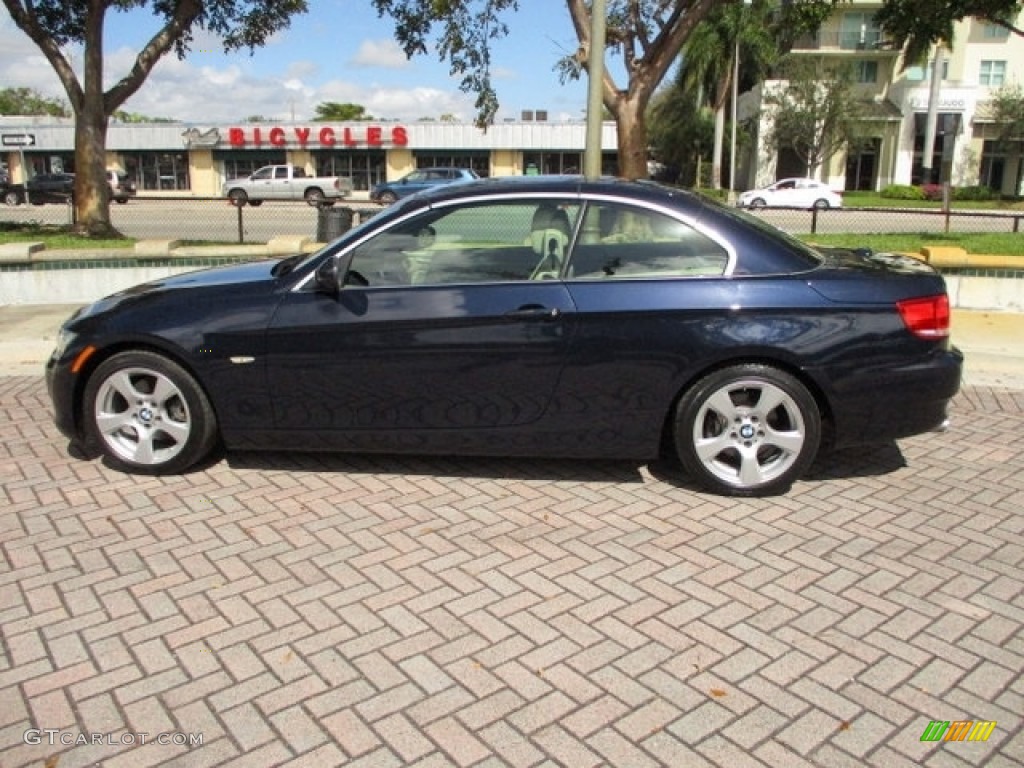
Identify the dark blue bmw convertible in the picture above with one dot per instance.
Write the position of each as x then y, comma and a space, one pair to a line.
544, 316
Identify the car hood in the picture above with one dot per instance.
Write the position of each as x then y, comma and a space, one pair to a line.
226, 279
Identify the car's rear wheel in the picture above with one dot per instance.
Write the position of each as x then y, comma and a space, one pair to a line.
147, 414
315, 197
238, 197
387, 198
821, 204
758, 202
255, 203
12, 198
747, 430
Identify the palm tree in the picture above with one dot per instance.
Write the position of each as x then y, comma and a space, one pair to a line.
708, 60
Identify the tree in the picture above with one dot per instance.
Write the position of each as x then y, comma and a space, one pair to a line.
681, 131
1007, 105
647, 34
918, 24
52, 24
760, 33
26, 101
813, 112
332, 111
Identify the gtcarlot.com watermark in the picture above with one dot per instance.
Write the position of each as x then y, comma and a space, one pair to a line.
55, 737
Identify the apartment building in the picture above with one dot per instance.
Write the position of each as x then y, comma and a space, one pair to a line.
982, 58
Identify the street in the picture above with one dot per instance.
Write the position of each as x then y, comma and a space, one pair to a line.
214, 219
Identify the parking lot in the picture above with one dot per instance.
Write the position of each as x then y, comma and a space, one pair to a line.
277, 609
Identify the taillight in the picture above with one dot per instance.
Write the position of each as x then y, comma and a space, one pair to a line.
926, 318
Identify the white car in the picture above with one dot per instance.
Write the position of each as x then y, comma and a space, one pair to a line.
792, 193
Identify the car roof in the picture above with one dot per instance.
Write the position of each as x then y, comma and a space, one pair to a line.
554, 185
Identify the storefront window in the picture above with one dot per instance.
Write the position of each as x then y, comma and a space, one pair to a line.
238, 165
364, 168
52, 162
157, 170
478, 161
557, 163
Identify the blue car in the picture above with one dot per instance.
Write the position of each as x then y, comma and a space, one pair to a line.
526, 316
417, 181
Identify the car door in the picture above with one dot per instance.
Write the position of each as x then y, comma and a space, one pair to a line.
440, 327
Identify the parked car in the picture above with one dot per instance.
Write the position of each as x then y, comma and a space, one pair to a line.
121, 186
529, 316
792, 193
12, 194
286, 182
50, 188
417, 181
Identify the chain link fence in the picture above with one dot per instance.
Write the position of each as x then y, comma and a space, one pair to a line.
216, 220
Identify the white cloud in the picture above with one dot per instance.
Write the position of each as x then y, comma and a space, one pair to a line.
380, 53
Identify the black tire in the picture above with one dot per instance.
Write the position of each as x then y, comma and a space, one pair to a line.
821, 204
12, 198
255, 203
747, 430
238, 197
121, 200
315, 197
758, 202
387, 198
147, 414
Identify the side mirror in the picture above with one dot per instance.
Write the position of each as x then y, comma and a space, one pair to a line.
335, 273
327, 276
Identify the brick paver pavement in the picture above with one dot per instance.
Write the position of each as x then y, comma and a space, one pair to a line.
325, 610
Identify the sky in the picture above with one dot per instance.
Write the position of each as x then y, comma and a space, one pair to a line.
338, 51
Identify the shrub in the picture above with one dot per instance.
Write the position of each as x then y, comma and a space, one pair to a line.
931, 191
975, 193
902, 192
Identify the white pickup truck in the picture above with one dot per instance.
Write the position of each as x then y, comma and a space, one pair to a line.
287, 182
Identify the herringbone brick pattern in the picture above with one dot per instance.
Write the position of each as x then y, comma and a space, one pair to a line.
319, 611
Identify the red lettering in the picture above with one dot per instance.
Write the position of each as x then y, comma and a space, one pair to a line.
327, 136
399, 136
349, 141
303, 136
374, 136
277, 137
236, 137
257, 139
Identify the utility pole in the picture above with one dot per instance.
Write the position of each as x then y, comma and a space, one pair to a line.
927, 172
595, 100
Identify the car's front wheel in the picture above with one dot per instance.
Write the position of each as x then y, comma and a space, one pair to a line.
12, 198
758, 202
747, 430
147, 414
387, 198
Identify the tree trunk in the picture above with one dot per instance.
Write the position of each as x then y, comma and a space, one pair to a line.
716, 153
631, 124
92, 206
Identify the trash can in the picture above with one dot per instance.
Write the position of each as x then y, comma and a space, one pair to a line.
332, 223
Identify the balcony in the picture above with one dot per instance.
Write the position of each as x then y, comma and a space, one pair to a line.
864, 40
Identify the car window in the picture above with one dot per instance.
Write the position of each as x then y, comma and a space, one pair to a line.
263, 173
490, 242
618, 241
280, 173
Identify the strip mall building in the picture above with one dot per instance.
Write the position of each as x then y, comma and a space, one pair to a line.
166, 157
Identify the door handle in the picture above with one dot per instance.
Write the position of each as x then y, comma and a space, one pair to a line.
534, 312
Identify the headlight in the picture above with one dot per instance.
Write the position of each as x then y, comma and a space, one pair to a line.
64, 340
